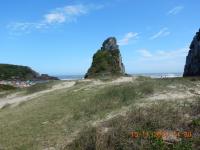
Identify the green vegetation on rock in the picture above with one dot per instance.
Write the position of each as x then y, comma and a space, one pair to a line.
107, 61
22, 73
11, 72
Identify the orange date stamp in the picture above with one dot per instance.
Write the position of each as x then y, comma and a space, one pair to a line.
161, 134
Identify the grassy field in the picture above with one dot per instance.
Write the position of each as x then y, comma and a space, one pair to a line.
6, 89
101, 115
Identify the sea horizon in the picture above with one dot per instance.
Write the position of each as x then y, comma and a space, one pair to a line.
152, 75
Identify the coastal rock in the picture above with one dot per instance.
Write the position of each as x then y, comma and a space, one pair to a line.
192, 66
107, 61
47, 77
110, 44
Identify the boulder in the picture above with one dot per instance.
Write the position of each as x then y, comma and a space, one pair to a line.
192, 66
107, 61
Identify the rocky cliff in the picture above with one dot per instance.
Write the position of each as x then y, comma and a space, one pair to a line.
192, 66
107, 61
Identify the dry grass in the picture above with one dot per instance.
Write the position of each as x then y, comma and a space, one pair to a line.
115, 134
56, 119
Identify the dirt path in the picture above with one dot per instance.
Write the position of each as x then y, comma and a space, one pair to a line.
14, 99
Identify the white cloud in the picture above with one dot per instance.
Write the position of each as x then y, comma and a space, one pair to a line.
159, 61
175, 10
75, 10
66, 14
54, 18
18, 28
163, 54
62, 15
126, 39
145, 53
162, 33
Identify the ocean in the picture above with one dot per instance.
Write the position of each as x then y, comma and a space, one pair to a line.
70, 77
160, 75
152, 75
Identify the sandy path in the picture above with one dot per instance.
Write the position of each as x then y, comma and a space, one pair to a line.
171, 96
124, 79
17, 100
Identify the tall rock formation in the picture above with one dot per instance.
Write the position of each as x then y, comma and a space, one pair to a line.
192, 66
107, 61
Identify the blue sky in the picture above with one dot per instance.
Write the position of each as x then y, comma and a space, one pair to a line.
60, 37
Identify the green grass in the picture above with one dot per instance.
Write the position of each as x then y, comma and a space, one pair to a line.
40, 87
163, 115
64, 112
52, 119
6, 89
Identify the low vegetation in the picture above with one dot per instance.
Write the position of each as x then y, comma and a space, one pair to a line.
6, 89
40, 87
166, 117
102, 115
10, 72
105, 63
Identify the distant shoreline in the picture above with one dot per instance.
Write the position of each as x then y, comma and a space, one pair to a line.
152, 75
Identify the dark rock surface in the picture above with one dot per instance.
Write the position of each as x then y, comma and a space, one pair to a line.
192, 66
107, 61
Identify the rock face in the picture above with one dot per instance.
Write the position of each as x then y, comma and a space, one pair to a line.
192, 66
107, 61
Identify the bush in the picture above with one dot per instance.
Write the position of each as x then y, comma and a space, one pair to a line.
6, 87
38, 87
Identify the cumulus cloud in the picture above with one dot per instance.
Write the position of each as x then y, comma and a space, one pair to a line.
127, 38
62, 15
162, 33
175, 10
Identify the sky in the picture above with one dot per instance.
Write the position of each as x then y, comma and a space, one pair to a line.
60, 37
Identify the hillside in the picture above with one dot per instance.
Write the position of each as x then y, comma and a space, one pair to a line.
103, 115
17, 72
8, 72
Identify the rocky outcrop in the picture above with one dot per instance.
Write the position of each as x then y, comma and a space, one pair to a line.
192, 66
46, 77
107, 61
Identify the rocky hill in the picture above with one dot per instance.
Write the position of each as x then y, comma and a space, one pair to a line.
17, 72
192, 66
107, 61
